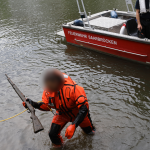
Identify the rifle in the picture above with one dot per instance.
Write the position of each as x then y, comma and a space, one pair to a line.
37, 126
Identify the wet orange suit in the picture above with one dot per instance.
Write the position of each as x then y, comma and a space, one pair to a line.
71, 105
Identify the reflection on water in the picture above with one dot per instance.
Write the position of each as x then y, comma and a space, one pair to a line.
118, 90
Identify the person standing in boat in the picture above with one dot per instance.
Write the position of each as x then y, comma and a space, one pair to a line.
143, 18
71, 104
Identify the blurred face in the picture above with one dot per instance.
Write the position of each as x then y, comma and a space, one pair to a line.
52, 86
53, 80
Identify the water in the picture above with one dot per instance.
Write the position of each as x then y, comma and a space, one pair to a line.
118, 90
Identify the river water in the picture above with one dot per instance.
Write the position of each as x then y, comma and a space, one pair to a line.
118, 90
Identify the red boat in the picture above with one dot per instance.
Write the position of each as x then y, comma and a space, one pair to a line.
105, 33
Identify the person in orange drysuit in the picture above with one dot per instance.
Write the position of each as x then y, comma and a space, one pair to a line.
71, 104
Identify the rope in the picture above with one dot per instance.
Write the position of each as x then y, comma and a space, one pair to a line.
21, 113
13, 116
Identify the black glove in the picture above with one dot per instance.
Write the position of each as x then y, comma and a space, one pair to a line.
34, 104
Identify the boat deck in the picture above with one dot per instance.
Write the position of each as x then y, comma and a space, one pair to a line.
105, 22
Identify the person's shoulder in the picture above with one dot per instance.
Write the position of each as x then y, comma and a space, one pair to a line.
68, 80
79, 90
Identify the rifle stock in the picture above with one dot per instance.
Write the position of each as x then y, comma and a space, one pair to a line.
37, 126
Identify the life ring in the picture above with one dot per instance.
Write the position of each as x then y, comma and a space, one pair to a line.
123, 29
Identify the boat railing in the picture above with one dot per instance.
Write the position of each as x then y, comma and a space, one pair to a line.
83, 14
129, 2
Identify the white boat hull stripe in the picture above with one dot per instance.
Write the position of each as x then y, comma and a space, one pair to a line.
112, 48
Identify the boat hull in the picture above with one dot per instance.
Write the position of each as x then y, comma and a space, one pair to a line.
117, 46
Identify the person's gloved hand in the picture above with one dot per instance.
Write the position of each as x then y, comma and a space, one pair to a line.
28, 100
70, 131
24, 104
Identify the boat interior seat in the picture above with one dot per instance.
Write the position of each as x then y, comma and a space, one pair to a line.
131, 26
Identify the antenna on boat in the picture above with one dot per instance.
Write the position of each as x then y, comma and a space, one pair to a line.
83, 14
129, 2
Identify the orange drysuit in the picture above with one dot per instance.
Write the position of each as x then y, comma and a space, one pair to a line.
67, 102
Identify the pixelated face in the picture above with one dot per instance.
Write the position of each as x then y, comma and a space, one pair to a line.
52, 86
53, 80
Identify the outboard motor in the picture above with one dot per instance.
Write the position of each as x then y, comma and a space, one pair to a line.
78, 23
113, 14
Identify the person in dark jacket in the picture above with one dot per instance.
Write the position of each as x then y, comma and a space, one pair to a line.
143, 18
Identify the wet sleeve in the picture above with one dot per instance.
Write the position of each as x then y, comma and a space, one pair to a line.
44, 104
81, 115
137, 5
82, 104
